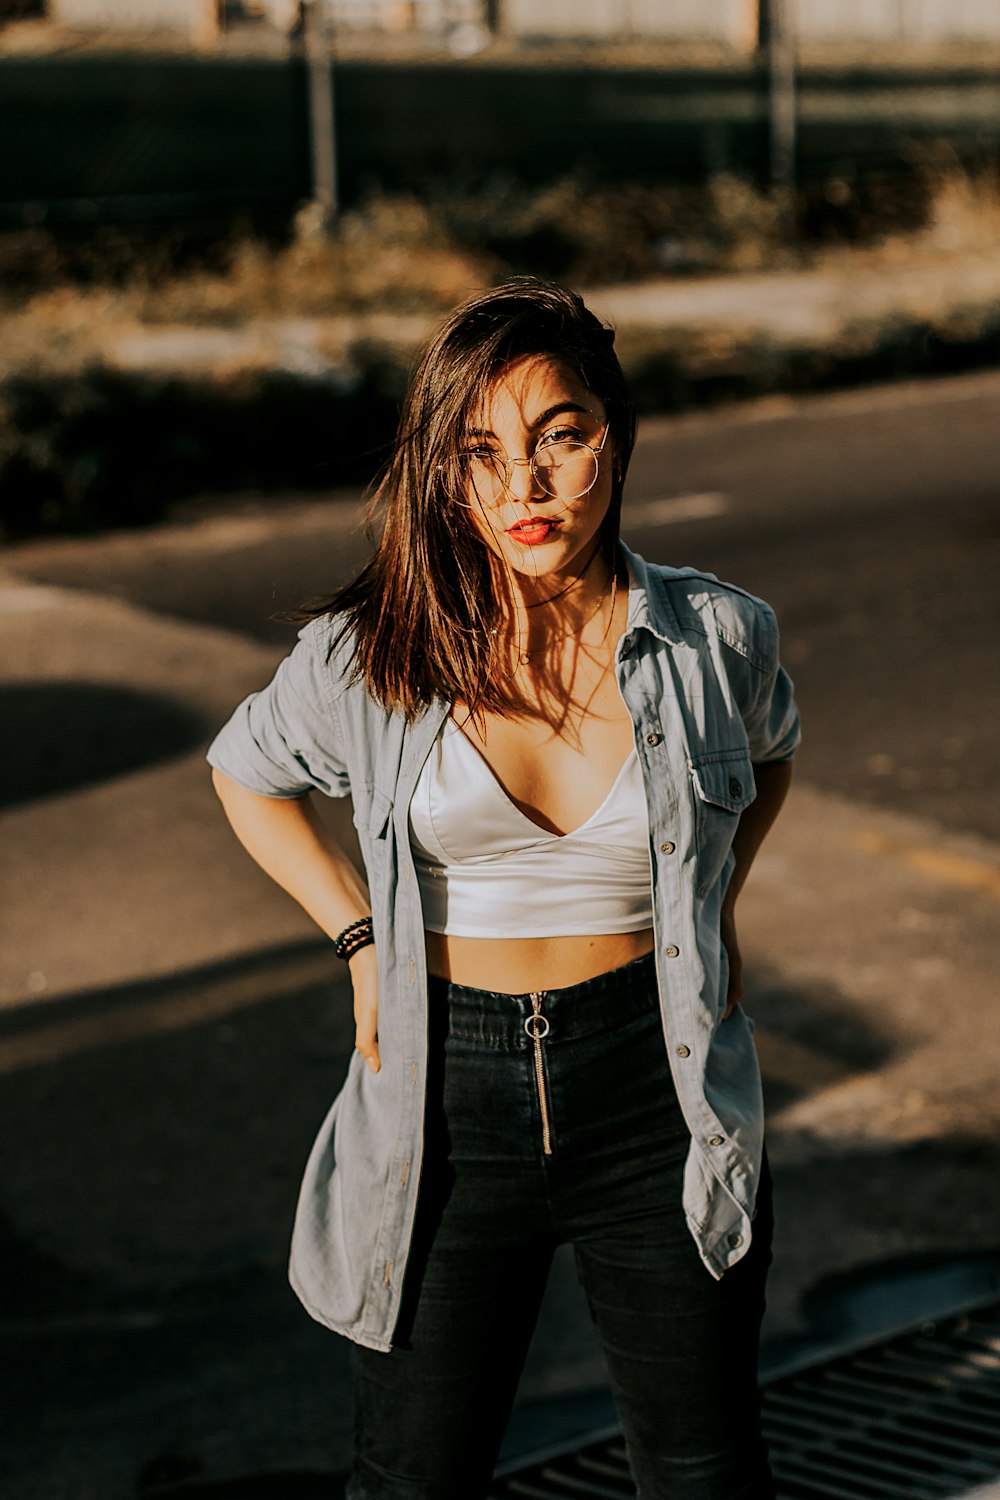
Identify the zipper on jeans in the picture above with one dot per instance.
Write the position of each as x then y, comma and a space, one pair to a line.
538, 1028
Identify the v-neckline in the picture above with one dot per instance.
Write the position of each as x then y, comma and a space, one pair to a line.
508, 799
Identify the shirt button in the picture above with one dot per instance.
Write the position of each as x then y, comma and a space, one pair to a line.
653, 739
667, 848
717, 1140
683, 1051
735, 1241
671, 951
735, 787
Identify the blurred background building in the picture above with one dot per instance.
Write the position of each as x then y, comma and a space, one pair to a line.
732, 23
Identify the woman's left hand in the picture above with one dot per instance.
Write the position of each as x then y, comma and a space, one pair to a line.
734, 993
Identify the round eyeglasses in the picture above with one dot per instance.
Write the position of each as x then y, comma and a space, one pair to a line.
565, 468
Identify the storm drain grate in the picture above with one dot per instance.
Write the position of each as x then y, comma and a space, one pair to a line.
915, 1417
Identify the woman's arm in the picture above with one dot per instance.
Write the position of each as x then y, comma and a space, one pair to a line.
773, 779
286, 838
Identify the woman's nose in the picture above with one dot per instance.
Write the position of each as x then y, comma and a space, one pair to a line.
522, 483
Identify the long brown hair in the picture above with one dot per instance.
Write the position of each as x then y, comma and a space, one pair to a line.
425, 613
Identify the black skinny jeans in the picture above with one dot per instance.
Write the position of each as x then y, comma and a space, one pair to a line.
494, 1204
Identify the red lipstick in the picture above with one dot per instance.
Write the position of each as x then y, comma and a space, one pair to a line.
533, 530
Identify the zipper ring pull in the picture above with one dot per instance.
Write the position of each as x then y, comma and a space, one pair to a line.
531, 1025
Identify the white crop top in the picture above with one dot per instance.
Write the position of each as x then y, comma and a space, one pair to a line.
486, 870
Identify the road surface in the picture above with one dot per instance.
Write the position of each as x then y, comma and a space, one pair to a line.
171, 1030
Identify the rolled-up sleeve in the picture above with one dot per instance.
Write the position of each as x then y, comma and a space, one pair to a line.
285, 740
772, 724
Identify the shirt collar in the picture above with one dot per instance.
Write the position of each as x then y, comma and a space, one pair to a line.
649, 604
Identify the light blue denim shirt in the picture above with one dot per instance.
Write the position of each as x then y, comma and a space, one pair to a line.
698, 670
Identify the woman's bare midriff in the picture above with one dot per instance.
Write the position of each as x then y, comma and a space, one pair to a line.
517, 966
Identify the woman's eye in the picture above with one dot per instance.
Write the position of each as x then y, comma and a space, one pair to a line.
561, 435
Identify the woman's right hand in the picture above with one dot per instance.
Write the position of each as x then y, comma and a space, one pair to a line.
364, 978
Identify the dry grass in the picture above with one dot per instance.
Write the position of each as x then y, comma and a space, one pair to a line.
960, 217
390, 256
965, 212
308, 344
397, 256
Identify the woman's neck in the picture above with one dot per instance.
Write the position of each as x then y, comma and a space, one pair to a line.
558, 605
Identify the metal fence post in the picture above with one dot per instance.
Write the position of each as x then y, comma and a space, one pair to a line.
782, 110
322, 125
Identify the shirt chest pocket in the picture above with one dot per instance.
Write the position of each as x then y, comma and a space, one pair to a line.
723, 786
373, 820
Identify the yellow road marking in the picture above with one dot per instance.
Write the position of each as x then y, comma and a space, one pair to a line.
950, 869
669, 508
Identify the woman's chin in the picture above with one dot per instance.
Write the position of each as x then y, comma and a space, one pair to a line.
551, 556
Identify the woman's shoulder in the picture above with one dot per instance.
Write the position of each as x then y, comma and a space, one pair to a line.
328, 646
328, 642
693, 599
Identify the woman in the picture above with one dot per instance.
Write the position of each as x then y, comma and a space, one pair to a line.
563, 760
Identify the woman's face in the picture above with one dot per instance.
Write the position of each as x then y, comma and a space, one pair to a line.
539, 529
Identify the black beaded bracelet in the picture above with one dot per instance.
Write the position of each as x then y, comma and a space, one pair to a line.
354, 937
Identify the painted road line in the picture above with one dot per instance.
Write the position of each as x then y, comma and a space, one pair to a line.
17, 598
824, 405
667, 509
950, 869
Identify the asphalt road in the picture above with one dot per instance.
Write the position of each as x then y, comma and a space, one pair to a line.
172, 1031
871, 520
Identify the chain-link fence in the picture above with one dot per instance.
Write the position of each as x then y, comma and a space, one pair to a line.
131, 128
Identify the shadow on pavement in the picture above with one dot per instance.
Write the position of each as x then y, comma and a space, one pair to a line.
874, 1299
62, 735
152, 1138
280, 1486
808, 1040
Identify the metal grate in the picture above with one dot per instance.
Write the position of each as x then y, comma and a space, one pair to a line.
914, 1417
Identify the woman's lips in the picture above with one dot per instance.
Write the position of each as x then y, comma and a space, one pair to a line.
530, 533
